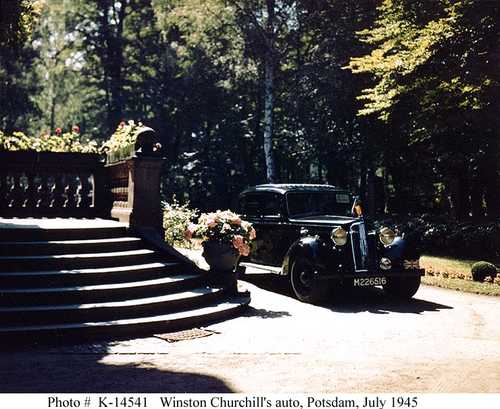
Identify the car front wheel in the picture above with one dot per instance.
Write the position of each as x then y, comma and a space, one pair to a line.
304, 283
402, 288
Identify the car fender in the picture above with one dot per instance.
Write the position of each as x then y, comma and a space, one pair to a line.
402, 249
396, 250
308, 246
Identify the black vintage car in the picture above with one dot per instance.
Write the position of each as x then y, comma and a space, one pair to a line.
317, 236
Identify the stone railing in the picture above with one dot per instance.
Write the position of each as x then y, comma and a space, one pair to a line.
51, 184
46, 184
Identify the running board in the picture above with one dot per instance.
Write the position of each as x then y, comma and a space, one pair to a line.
254, 268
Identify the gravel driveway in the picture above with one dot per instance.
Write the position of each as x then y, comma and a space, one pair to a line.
443, 341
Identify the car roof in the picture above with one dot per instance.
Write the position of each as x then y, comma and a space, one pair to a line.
291, 187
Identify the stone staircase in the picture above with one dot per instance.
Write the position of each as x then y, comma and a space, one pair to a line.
91, 278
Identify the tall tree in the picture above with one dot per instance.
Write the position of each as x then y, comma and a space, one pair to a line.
436, 89
17, 19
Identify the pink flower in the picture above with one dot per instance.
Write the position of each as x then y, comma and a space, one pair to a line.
236, 221
211, 223
58, 131
244, 250
238, 242
75, 129
253, 234
121, 124
188, 234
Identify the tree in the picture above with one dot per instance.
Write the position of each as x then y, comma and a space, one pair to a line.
17, 19
436, 89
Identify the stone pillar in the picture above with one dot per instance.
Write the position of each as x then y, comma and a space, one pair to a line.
134, 184
144, 193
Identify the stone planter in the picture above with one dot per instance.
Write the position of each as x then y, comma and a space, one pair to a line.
222, 257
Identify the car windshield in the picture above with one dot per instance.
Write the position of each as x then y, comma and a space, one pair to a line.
318, 203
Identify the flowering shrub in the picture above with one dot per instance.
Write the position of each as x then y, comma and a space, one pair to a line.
59, 142
176, 219
122, 143
223, 227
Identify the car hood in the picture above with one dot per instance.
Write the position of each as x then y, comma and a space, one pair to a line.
324, 220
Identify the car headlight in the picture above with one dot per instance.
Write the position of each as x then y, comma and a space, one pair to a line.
339, 236
386, 236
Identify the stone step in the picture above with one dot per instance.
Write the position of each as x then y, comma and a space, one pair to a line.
31, 234
96, 293
89, 276
110, 310
71, 261
126, 327
54, 247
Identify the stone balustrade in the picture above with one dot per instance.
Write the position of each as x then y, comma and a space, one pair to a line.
48, 184
51, 184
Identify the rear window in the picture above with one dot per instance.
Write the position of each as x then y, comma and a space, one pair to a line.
262, 204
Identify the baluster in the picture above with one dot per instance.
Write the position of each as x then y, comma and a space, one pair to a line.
44, 194
35, 190
17, 193
59, 192
86, 192
3, 191
71, 191
9, 182
31, 191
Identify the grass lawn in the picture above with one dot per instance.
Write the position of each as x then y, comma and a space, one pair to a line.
442, 272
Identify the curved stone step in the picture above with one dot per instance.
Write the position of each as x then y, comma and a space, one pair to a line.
95, 293
89, 276
107, 310
126, 327
54, 247
46, 234
85, 260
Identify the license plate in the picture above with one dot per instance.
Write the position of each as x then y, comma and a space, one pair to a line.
369, 282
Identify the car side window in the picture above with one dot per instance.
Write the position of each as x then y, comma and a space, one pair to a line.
261, 204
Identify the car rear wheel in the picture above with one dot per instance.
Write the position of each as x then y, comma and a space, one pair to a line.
304, 283
402, 288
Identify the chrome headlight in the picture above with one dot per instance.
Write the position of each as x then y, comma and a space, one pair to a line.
386, 236
339, 236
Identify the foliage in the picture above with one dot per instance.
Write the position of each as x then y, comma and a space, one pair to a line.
442, 236
223, 227
423, 137
121, 143
176, 219
434, 88
17, 19
483, 269
70, 141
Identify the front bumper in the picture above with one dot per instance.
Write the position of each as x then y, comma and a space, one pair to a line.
346, 277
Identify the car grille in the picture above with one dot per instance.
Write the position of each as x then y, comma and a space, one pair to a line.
363, 247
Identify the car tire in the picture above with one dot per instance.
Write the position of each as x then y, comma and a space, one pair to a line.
402, 288
304, 285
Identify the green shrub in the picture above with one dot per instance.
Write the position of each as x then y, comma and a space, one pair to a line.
176, 219
441, 236
482, 269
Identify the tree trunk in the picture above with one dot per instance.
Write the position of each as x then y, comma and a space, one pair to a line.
269, 96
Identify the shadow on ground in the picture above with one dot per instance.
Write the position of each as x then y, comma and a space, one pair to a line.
348, 300
38, 370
